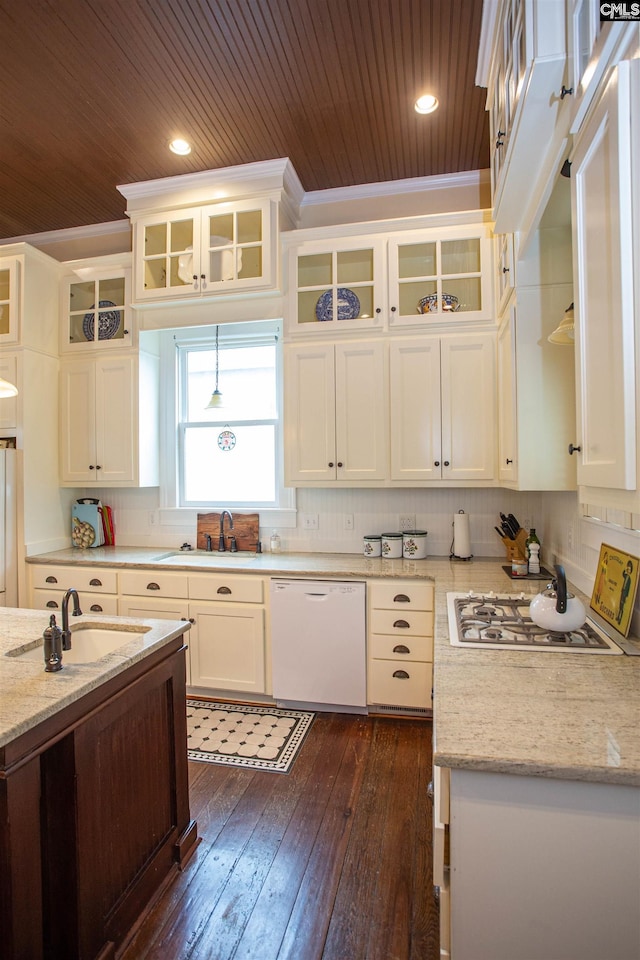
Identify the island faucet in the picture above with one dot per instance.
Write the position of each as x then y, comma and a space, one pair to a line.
221, 545
77, 612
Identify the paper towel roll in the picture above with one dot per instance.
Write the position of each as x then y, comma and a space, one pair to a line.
461, 538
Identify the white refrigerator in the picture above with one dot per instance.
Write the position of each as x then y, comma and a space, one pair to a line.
8, 530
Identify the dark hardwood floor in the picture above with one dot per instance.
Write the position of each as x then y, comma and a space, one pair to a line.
329, 862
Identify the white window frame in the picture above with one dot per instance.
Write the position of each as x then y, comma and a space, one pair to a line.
284, 514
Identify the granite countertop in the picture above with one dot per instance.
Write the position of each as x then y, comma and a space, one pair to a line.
267, 564
562, 715
28, 695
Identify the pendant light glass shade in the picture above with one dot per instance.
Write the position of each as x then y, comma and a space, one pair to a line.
564, 332
216, 396
7, 389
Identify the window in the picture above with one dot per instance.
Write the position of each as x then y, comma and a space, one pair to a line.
228, 454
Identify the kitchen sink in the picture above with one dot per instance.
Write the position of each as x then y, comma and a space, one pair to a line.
88, 644
206, 558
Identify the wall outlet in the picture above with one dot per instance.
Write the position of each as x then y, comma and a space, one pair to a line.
348, 521
407, 521
310, 521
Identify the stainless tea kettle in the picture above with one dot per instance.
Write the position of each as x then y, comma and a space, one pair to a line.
555, 609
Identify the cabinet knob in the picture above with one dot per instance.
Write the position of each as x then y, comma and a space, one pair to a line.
508, 460
91, 466
331, 464
98, 467
436, 463
339, 464
378, 310
195, 277
446, 463
573, 449
393, 309
566, 92
401, 674
506, 269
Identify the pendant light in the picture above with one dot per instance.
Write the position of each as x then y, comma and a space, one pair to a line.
216, 396
7, 389
564, 332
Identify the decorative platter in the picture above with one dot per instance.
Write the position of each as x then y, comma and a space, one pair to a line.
108, 322
347, 303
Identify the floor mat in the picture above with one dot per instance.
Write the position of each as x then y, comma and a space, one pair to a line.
260, 738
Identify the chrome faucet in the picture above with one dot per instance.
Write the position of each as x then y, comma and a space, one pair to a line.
77, 612
221, 546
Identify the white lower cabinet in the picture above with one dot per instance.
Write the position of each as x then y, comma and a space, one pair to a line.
443, 408
336, 412
227, 615
97, 588
400, 643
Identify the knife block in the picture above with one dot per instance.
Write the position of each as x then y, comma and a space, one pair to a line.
516, 549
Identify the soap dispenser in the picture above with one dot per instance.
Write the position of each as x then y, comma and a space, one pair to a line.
52, 638
275, 542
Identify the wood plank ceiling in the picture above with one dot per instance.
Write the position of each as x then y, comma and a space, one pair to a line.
91, 91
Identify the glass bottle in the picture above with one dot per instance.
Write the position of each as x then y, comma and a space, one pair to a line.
532, 538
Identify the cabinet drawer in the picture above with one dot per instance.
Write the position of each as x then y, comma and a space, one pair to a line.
154, 583
83, 579
400, 684
89, 602
401, 595
400, 623
231, 589
383, 647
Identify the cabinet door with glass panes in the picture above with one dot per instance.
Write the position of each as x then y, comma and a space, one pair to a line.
9, 307
96, 312
440, 277
203, 251
338, 285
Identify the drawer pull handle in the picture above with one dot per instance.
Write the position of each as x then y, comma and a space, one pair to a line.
401, 649
401, 623
401, 674
95, 582
188, 619
96, 608
430, 790
401, 598
53, 604
152, 586
51, 580
223, 590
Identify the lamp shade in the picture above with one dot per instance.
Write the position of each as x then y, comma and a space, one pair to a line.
7, 389
565, 332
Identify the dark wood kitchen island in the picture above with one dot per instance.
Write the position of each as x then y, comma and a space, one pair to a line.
94, 806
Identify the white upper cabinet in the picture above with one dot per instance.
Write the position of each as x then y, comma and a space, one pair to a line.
603, 202
336, 413
95, 307
443, 408
437, 275
523, 64
9, 300
199, 252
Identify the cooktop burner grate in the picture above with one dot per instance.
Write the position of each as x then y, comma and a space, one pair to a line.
504, 621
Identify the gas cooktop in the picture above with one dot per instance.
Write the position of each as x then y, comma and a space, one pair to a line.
503, 623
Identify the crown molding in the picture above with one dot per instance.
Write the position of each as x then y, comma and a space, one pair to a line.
485, 47
385, 188
72, 233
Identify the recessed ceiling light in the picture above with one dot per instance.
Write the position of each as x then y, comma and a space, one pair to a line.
179, 146
426, 104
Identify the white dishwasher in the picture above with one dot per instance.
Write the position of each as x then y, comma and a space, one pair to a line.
318, 644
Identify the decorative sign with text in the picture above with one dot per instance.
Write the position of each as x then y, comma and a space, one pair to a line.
614, 590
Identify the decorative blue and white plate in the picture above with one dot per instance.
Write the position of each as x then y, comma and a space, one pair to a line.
347, 303
108, 322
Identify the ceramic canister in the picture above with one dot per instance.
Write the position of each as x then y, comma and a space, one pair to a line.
372, 546
414, 544
392, 545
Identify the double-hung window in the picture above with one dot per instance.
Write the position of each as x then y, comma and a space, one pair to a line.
228, 436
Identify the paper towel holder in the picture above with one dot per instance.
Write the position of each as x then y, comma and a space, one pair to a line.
463, 545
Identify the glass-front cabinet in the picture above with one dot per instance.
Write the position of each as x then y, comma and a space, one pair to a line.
338, 285
203, 251
9, 278
95, 306
439, 277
